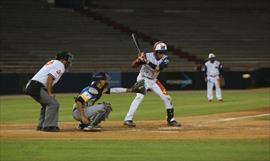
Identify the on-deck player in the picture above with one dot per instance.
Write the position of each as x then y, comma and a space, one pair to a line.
213, 73
152, 64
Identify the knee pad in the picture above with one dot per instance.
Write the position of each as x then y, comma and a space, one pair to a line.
99, 116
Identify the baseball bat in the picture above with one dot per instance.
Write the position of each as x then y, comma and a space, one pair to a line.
135, 41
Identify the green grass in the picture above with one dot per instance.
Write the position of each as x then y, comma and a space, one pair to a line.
186, 103
264, 118
180, 150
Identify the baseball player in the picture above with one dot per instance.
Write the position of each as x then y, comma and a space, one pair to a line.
91, 115
213, 73
40, 88
152, 64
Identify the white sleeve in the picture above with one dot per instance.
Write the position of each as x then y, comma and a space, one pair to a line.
56, 70
204, 68
118, 90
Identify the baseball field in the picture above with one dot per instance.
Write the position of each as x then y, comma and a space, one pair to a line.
237, 129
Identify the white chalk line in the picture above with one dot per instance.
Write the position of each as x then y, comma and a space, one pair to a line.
242, 117
229, 119
202, 124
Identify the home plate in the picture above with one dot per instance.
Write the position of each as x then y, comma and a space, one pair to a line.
170, 128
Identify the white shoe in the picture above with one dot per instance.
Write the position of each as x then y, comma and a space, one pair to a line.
129, 123
91, 128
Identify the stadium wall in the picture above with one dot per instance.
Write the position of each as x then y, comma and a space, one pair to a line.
73, 82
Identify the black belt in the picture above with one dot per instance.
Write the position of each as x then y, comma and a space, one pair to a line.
36, 83
148, 77
33, 88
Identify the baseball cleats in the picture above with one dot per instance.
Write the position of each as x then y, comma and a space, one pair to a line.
129, 123
39, 128
81, 126
51, 129
174, 123
91, 128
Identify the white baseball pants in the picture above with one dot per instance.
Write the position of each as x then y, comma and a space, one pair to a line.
211, 82
157, 88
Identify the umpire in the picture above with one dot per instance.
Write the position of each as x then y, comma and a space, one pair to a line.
40, 88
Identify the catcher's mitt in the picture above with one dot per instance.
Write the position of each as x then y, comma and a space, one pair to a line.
139, 87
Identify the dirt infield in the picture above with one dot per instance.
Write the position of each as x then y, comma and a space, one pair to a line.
233, 125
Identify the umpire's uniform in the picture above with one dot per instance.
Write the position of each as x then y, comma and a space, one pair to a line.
37, 88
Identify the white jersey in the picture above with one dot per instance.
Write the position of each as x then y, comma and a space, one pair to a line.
147, 71
54, 68
212, 69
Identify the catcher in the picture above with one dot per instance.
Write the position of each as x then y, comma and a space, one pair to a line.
91, 115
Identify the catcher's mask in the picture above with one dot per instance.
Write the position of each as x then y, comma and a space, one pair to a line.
67, 56
101, 76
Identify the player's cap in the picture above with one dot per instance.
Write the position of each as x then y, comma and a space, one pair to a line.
101, 76
211, 55
160, 46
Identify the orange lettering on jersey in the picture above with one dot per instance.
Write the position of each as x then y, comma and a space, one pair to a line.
49, 62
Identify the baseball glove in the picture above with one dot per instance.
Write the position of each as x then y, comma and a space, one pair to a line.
139, 87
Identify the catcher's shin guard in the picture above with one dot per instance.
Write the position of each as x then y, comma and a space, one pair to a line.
100, 115
97, 117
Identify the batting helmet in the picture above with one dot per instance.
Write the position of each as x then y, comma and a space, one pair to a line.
160, 47
211, 55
